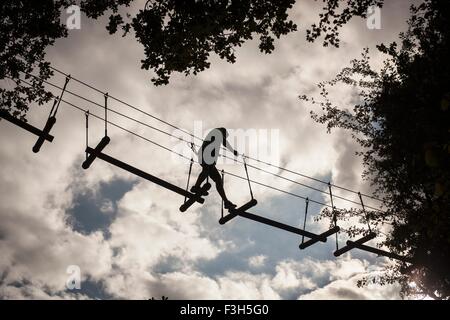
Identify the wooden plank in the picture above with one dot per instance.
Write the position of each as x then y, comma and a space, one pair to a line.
279, 225
48, 126
24, 125
204, 189
378, 251
312, 241
348, 247
234, 212
93, 153
144, 175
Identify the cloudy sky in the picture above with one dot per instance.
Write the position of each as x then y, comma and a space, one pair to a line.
127, 235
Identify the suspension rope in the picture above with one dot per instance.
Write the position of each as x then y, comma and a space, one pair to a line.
192, 146
183, 156
189, 178
365, 212
333, 208
106, 114
248, 179
87, 131
306, 215
222, 155
332, 204
57, 102
192, 135
223, 183
372, 249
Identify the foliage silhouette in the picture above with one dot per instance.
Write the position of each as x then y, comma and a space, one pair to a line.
164, 298
403, 126
177, 36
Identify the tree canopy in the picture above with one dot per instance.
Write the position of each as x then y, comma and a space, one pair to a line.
177, 35
403, 126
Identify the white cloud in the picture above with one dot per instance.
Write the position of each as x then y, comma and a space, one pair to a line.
289, 275
259, 91
347, 290
36, 243
107, 206
257, 261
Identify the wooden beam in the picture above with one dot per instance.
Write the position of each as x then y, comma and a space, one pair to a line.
24, 125
279, 225
190, 201
48, 126
325, 234
144, 175
94, 152
348, 247
378, 251
234, 212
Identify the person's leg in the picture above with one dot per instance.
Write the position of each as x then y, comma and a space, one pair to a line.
215, 176
201, 177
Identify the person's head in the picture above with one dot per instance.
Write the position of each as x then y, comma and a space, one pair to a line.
224, 132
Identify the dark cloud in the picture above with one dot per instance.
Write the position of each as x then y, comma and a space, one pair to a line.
95, 210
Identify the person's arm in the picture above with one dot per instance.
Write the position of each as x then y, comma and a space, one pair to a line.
229, 147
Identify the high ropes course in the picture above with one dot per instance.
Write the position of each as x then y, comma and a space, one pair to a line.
307, 238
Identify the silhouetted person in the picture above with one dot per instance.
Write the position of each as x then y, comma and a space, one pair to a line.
207, 157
